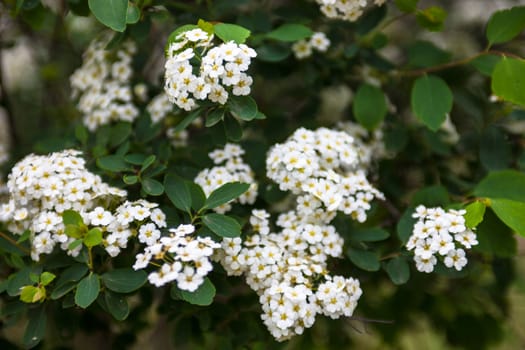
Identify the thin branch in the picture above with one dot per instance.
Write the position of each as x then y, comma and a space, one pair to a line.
452, 64
15, 243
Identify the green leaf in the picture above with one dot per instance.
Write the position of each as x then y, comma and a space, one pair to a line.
178, 192
506, 24
21, 278
398, 270
432, 18
214, 117
187, 121
225, 193
431, 196
365, 260
62, 289
508, 184
369, 106
405, 225
273, 52
111, 13
424, 54
73, 245
113, 163
87, 290
72, 274
243, 107
46, 278
82, 134
231, 32
132, 14
93, 237
233, 129
130, 179
290, 32
495, 152
485, 64
431, 100
474, 214
71, 217
222, 225
197, 196
495, 238
511, 212
203, 296
120, 133
124, 280
148, 162
152, 187
406, 5
30, 294
135, 158
36, 327
117, 305
372, 234
508, 80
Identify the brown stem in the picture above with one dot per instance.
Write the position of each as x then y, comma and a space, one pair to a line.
452, 64
15, 243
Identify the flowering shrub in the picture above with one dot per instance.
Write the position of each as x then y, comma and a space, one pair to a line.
244, 174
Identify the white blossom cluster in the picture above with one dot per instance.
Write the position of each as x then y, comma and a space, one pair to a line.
158, 108
230, 167
325, 166
289, 271
304, 48
103, 84
41, 188
221, 69
370, 145
180, 256
348, 10
440, 234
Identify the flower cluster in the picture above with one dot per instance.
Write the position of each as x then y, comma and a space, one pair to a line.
440, 234
181, 257
41, 188
229, 168
348, 10
221, 71
325, 166
304, 48
289, 271
102, 84
370, 145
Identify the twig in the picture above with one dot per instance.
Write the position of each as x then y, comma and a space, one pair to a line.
15, 243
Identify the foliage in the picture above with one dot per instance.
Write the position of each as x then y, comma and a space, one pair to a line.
213, 134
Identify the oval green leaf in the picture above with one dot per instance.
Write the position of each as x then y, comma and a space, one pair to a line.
222, 225
511, 213
398, 270
365, 260
203, 296
152, 187
111, 13
508, 80
504, 25
177, 192
231, 32
431, 100
87, 290
369, 106
225, 193
124, 280
508, 184
290, 32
